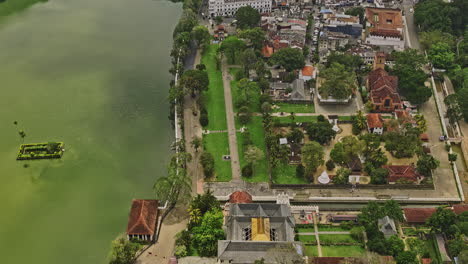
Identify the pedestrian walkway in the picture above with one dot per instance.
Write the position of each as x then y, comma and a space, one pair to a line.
234, 152
324, 233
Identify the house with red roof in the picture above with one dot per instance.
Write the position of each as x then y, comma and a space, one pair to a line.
307, 73
375, 124
385, 27
142, 219
460, 208
267, 51
382, 87
418, 215
406, 173
240, 197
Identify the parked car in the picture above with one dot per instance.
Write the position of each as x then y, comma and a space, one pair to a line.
172, 260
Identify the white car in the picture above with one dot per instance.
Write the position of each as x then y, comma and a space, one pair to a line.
411, 10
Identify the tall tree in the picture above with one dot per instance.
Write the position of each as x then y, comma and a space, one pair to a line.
123, 251
255, 35
289, 58
411, 77
312, 156
253, 155
454, 113
201, 35
195, 81
207, 234
441, 55
339, 82
322, 132
442, 219
426, 164
392, 209
247, 17
232, 47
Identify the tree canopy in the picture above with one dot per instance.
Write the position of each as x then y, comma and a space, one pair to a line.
322, 132
201, 35
123, 251
351, 62
207, 234
441, 55
339, 81
411, 77
289, 58
231, 47
194, 81
312, 156
255, 35
433, 15
247, 17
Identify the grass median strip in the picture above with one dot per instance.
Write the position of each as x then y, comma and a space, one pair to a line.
342, 251
218, 145
215, 94
257, 136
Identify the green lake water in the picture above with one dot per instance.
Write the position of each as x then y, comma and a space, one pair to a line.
93, 74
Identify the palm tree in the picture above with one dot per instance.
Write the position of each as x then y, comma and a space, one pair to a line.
196, 143
361, 121
292, 116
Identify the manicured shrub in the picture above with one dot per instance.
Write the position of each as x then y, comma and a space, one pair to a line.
247, 170
300, 171
203, 119
244, 119
207, 161
330, 164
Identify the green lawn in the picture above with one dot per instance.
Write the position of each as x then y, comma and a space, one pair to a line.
215, 94
253, 95
257, 135
343, 251
297, 119
305, 230
345, 118
286, 174
323, 228
218, 145
296, 108
305, 239
311, 251
336, 239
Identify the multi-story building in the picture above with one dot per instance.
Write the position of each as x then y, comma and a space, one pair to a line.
229, 7
385, 28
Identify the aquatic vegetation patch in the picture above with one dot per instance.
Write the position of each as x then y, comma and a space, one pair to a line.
49, 150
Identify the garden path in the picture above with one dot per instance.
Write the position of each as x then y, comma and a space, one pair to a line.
319, 247
235, 164
324, 233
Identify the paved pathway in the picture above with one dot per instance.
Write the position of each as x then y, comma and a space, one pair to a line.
193, 129
235, 164
319, 247
324, 233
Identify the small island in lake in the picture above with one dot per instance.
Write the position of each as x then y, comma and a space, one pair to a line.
50, 150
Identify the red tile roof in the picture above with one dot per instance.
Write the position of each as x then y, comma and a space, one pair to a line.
404, 117
385, 33
308, 71
326, 260
143, 217
424, 137
384, 18
382, 85
460, 208
397, 172
267, 51
240, 197
418, 215
374, 121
